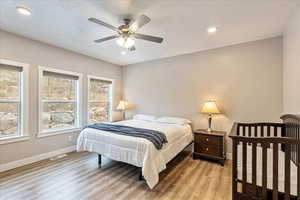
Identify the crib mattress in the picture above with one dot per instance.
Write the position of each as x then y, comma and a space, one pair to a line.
281, 160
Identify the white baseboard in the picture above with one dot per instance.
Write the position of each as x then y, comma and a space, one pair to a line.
229, 156
29, 160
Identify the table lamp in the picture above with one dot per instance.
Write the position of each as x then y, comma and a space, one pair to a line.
123, 106
210, 108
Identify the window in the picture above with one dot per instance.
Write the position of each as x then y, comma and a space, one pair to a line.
99, 99
12, 99
59, 101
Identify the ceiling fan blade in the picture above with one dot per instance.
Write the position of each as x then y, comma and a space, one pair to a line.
97, 21
138, 23
106, 38
148, 38
132, 48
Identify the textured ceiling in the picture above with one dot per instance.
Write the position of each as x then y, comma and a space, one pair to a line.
182, 23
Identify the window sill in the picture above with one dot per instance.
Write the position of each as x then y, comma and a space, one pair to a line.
13, 139
57, 132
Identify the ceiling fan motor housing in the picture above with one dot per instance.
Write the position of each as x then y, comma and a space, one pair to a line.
127, 21
124, 29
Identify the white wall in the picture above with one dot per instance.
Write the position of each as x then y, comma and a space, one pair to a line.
291, 69
35, 53
245, 80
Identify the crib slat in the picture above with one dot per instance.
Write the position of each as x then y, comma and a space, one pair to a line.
287, 176
244, 130
295, 146
268, 131
244, 168
282, 134
275, 171
293, 150
283, 131
234, 168
254, 168
255, 131
275, 131
264, 172
249, 131
298, 171
297, 156
262, 131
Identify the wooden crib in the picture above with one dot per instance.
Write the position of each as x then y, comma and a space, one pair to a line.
266, 159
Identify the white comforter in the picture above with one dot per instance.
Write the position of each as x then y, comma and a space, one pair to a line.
138, 151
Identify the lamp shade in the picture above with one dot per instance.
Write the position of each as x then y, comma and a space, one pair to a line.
210, 107
123, 105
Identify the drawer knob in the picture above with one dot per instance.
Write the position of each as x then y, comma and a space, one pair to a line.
206, 149
207, 139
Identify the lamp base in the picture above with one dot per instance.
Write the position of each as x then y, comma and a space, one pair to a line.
209, 123
123, 115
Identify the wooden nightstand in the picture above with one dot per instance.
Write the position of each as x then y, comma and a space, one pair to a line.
209, 145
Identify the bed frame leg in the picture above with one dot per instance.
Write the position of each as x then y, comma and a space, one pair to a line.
99, 160
140, 174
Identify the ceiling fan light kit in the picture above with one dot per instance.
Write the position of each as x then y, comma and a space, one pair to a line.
126, 32
125, 42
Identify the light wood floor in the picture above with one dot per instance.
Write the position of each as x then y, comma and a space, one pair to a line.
78, 177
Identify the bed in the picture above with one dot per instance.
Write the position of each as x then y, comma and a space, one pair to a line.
266, 159
138, 151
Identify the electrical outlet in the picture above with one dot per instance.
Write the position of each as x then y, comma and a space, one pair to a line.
70, 138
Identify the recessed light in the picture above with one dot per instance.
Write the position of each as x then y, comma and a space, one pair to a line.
23, 11
212, 29
123, 52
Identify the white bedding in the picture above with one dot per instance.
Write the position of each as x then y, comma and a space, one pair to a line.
281, 160
138, 151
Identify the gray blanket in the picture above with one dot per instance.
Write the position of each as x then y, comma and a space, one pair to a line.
156, 137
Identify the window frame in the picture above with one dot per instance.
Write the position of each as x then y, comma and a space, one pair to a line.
111, 99
78, 101
23, 132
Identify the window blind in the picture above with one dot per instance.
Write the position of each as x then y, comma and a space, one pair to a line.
60, 75
104, 82
11, 68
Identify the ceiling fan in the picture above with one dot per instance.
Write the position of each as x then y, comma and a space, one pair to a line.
127, 32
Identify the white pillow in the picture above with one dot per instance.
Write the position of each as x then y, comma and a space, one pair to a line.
173, 120
150, 118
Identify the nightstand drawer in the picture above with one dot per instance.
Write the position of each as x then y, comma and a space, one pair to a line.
208, 139
209, 150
